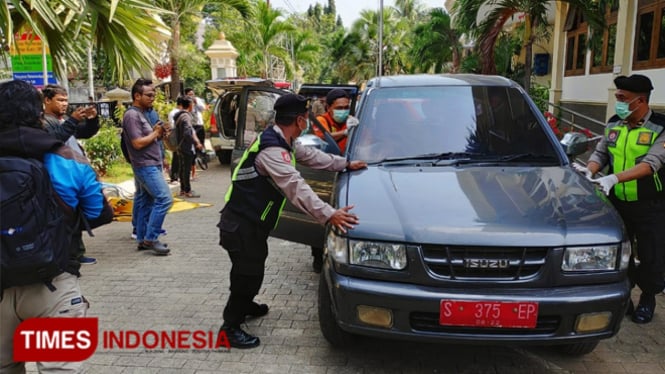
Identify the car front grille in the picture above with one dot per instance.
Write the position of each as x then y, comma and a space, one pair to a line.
484, 263
430, 322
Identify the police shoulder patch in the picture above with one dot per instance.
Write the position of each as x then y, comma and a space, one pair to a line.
286, 156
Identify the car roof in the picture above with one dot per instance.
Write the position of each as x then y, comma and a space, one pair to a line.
417, 80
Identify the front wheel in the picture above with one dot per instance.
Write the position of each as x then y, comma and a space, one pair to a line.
337, 337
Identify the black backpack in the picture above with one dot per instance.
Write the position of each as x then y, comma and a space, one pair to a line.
35, 224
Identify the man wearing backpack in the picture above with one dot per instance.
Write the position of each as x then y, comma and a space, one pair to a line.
39, 275
187, 144
152, 199
82, 124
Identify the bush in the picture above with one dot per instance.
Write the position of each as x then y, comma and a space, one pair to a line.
104, 148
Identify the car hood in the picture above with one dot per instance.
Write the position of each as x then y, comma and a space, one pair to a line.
506, 206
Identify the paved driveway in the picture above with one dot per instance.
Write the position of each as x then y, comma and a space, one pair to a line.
130, 290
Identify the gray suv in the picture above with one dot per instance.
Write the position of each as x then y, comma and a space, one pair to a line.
473, 226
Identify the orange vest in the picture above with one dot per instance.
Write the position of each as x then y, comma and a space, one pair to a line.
331, 126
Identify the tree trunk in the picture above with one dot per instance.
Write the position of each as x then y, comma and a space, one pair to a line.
173, 57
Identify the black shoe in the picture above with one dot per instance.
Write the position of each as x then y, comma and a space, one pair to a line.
239, 338
156, 246
645, 309
258, 310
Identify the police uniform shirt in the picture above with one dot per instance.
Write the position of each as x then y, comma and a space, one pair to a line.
276, 163
655, 158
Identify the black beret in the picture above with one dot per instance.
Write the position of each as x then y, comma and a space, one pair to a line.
635, 83
335, 94
289, 106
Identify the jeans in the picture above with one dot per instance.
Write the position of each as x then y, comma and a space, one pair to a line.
152, 201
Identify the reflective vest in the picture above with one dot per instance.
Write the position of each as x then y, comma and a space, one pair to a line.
252, 195
627, 147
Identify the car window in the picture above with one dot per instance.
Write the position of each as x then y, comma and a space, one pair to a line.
228, 106
486, 121
259, 114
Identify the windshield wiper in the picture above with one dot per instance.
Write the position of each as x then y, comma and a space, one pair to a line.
527, 157
427, 156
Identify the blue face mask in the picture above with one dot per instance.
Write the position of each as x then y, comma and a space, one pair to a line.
622, 109
306, 129
340, 115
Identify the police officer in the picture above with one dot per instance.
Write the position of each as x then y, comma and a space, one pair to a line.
633, 147
265, 176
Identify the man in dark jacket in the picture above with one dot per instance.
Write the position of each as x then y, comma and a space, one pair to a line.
76, 184
265, 177
188, 144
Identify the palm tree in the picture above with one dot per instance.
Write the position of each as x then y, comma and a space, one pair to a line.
436, 43
304, 50
69, 27
500, 11
266, 35
395, 42
188, 8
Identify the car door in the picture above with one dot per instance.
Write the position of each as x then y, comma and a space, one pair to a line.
244, 113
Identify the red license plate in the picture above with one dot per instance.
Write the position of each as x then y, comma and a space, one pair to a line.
501, 314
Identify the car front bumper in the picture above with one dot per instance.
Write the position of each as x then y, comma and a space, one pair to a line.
415, 310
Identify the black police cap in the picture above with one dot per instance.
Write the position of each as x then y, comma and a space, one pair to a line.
635, 83
290, 105
335, 94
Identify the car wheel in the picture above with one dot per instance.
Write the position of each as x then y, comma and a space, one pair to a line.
578, 349
224, 157
337, 337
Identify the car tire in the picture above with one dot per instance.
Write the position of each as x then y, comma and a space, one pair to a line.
578, 349
224, 157
337, 337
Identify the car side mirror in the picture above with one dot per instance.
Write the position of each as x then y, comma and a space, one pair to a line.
574, 143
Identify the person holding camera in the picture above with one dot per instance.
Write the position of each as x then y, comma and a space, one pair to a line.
82, 123
152, 198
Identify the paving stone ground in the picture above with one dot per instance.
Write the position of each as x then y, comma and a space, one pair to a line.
130, 290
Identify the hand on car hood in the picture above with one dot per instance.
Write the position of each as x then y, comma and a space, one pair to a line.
529, 206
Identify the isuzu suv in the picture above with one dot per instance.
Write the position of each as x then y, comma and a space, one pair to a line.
473, 227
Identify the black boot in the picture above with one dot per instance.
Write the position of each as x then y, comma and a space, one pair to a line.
238, 338
317, 262
258, 310
645, 309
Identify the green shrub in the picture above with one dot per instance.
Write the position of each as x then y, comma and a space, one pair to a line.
104, 148
540, 95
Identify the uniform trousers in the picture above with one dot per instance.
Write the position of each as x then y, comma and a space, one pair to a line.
644, 222
36, 300
247, 245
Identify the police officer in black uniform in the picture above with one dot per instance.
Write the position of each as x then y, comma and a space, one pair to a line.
634, 149
266, 175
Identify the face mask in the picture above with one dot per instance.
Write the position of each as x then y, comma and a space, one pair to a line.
622, 109
306, 129
340, 115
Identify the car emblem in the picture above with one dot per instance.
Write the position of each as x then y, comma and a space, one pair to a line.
486, 263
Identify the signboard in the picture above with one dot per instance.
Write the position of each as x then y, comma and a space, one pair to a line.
27, 59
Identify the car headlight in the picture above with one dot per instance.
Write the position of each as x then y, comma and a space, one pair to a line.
379, 255
626, 251
337, 248
597, 257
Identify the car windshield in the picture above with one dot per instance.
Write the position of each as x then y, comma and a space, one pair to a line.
475, 122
